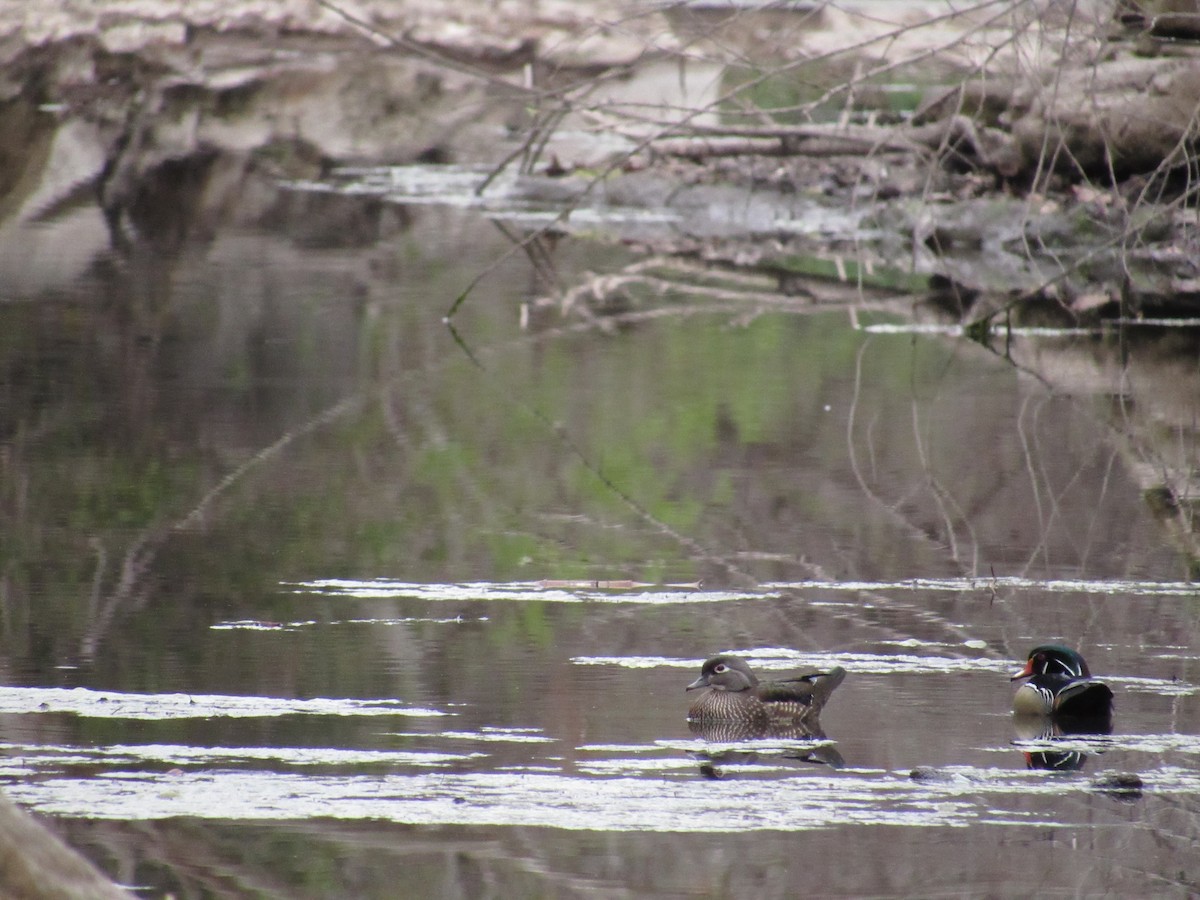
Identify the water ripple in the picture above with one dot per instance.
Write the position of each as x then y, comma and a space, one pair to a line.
957, 797
631, 592
119, 705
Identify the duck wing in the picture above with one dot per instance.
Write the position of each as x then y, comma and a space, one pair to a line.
1084, 697
812, 689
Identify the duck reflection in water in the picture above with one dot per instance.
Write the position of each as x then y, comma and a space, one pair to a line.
1043, 730
736, 706
1059, 700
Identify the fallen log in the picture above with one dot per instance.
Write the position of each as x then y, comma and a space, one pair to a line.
1106, 118
957, 134
1118, 118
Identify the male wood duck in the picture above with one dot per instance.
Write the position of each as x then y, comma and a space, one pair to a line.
735, 695
1059, 684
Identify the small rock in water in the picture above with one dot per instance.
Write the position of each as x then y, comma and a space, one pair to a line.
1121, 785
927, 774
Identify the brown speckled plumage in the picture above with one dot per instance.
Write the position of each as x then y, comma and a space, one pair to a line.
733, 694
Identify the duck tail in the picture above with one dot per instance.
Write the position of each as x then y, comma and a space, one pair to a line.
825, 683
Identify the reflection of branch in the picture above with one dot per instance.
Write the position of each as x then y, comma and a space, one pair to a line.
561, 435
539, 254
1047, 522
1028, 456
194, 518
129, 591
892, 512
943, 498
753, 289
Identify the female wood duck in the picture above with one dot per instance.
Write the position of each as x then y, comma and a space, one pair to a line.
1060, 685
735, 695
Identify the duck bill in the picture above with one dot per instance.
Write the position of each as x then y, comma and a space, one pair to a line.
698, 683
1024, 673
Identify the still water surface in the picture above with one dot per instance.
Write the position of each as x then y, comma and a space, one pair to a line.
303, 597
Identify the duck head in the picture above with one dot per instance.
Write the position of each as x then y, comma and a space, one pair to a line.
1053, 659
725, 673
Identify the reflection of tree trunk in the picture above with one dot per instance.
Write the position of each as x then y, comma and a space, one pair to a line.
130, 589
199, 860
36, 865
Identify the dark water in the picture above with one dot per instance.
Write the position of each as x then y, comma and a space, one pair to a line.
304, 597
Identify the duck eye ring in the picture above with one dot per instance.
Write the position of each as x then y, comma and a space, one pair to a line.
720, 667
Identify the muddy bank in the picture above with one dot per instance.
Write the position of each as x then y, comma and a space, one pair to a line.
990, 193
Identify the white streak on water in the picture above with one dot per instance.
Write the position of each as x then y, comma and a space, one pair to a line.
666, 803
259, 625
858, 663
1011, 582
520, 798
953, 330
529, 591
119, 705
1161, 686
33, 757
507, 737
532, 591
